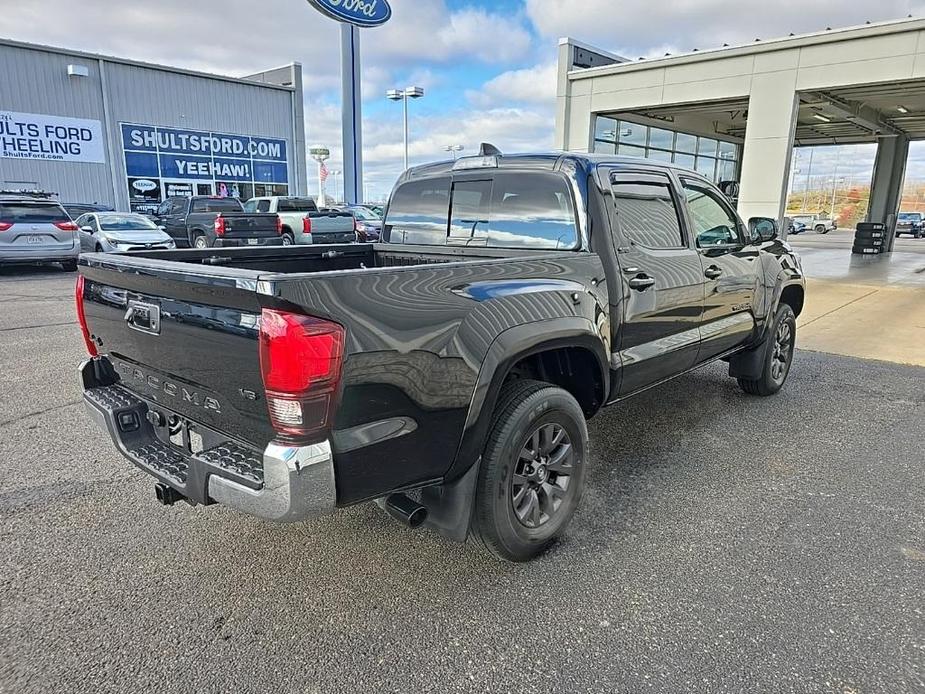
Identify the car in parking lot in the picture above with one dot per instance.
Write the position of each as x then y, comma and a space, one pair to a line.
35, 228
910, 223
515, 296
106, 232
368, 223
209, 221
76, 209
820, 223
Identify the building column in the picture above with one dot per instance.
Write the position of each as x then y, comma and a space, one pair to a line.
768, 149
887, 183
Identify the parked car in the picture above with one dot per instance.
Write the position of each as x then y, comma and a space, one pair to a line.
34, 228
821, 224
205, 221
76, 209
106, 232
910, 223
368, 223
796, 227
506, 314
302, 221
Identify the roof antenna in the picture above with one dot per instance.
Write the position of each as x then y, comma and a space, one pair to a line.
486, 149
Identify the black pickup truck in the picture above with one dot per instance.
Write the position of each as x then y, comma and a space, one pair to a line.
446, 372
206, 221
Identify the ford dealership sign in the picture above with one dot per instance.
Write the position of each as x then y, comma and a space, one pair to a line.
361, 13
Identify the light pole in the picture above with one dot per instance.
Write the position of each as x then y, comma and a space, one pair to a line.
319, 154
335, 173
403, 95
454, 149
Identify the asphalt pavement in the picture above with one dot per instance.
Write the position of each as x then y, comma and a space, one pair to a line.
725, 544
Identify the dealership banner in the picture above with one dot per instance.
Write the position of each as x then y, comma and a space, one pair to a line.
55, 138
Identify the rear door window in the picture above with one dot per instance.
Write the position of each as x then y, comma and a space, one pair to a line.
419, 212
33, 213
531, 211
647, 213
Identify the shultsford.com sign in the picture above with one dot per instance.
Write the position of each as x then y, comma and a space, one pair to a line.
54, 138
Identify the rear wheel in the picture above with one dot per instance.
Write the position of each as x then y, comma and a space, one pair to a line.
200, 241
778, 354
532, 470
819, 229
287, 239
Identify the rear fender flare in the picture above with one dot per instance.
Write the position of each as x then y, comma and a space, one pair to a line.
508, 348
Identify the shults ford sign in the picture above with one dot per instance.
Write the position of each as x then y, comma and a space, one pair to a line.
361, 13
54, 138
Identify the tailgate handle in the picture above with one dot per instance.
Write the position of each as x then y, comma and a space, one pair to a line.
144, 317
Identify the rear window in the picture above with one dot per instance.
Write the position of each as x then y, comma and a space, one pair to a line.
910, 216
295, 205
216, 205
507, 210
33, 213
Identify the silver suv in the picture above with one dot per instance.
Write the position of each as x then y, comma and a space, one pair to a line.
36, 229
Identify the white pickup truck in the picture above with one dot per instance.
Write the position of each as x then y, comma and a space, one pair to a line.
303, 222
820, 223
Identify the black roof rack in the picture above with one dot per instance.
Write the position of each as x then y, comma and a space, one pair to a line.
26, 193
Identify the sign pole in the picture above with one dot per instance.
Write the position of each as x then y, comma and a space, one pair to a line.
351, 113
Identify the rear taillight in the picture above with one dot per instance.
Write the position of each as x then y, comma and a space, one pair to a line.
279, 226
5, 225
66, 226
300, 359
306, 225
219, 226
81, 317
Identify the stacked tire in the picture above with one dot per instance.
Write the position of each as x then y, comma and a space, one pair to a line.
869, 238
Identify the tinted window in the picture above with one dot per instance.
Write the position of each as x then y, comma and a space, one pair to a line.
216, 205
33, 213
418, 212
531, 210
292, 205
177, 206
713, 224
469, 219
647, 214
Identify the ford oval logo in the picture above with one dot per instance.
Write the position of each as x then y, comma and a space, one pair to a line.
362, 13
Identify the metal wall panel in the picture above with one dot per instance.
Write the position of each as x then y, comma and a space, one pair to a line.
35, 80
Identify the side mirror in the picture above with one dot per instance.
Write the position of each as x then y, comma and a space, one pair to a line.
763, 228
87, 229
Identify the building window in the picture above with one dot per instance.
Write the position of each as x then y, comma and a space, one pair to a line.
715, 159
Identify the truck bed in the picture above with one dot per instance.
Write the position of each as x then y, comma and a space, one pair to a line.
416, 337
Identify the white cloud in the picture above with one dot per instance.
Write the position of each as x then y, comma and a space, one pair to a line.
533, 85
633, 27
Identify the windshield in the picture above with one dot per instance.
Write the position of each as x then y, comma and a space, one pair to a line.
125, 222
910, 216
363, 213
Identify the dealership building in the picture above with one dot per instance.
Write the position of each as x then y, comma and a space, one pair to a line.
98, 129
736, 113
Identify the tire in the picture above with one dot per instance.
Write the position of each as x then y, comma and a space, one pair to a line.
98, 248
778, 348
820, 229
861, 234
200, 241
287, 239
516, 517
69, 266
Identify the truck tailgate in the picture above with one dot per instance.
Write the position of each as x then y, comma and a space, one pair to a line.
250, 225
156, 320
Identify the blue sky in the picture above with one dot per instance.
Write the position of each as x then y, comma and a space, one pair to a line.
488, 67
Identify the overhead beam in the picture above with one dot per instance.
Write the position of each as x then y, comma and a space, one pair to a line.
860, 114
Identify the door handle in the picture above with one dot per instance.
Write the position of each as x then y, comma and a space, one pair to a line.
713, 272
642, 282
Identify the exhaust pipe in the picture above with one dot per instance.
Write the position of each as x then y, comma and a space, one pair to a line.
406, 510
166, 494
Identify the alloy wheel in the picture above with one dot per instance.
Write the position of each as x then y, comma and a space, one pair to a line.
540, 482
783, 352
